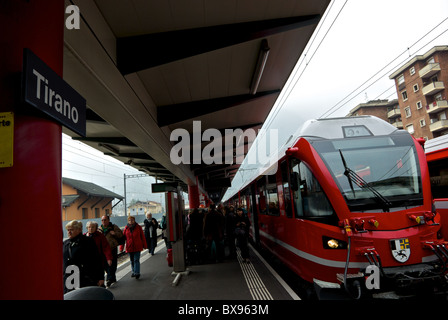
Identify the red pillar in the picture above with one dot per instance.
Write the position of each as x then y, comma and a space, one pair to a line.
30, 190
193, 196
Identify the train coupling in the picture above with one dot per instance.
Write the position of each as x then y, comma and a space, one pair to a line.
370, 254
439, 248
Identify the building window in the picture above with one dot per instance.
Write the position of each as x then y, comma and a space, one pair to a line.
97, 212
410, 128
419, 105
404, 94
412, 71
415, 87
422, 123
400, 79
407, 112
84, 213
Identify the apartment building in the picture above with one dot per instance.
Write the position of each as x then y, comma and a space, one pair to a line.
144, 207
422, 87
384, 109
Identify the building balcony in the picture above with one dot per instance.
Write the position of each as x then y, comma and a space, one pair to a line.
433, 88
398, 124
393, 113
429, 70
437, 106
438, 125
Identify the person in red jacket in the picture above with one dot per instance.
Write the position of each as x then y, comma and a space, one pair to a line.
135, 243
101, 243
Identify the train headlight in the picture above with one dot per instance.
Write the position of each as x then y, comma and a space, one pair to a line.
333, 243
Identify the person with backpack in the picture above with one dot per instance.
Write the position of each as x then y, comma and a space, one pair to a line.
114, 237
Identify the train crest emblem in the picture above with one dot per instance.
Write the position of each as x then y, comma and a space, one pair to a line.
401, 249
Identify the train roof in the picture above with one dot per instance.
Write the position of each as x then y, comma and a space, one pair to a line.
436, 144
346, 127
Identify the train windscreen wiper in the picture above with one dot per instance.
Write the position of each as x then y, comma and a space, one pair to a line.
353, 177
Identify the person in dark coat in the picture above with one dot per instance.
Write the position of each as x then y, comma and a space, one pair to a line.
151, 226
101, 243
196, 225
81, 251
242, 225
214, 233
230, 230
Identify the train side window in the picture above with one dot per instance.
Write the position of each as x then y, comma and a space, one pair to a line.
315, 201
272, 196
261, 195
296, 186
310, 201
285, 185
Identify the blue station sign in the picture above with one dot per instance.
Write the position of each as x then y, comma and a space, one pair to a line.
47, 91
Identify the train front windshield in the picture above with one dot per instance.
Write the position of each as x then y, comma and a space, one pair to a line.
374, 173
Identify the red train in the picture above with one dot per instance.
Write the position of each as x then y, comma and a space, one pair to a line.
352, 193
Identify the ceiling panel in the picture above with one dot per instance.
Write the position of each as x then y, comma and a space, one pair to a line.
129, 102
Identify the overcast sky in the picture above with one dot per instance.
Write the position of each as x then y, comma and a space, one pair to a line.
356, 48
369, 39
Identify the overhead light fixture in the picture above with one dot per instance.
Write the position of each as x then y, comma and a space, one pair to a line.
261, 63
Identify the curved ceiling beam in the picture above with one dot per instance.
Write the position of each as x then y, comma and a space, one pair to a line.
167, 115
136, 53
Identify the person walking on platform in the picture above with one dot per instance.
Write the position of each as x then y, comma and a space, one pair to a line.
194, 236
80, 251
230, 230
242, 225
163, 225
115, 237
101, 243
135, 243
214, 233
151, 226
196, 225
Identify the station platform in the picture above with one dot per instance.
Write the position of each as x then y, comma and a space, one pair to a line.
232, 279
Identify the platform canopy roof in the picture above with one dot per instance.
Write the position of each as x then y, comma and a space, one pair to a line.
147, 68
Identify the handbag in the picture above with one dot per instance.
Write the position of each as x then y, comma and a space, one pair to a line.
240, 231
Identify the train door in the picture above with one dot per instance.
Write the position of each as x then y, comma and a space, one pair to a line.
252, 211
286, 189
438, 171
